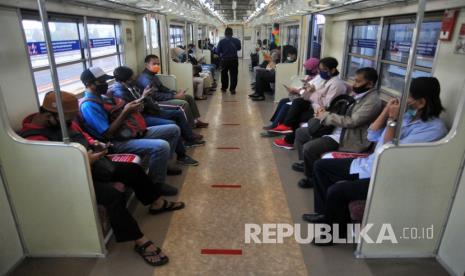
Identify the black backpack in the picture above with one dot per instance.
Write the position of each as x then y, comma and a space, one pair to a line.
339, 105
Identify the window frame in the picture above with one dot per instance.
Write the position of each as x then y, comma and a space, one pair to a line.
382, 36
176, 35
85, 60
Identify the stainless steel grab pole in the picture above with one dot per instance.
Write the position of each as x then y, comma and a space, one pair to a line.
53, 69
410, 67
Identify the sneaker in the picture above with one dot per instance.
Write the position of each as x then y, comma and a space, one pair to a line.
194, 143
188, 161
305, 183
267, 134
281, 143
168, 190
223, 90
196, 136
281, 128
233, 92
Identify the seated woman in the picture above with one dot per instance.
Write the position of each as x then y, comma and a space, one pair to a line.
311, 73
45, 126
340, 181
315, 97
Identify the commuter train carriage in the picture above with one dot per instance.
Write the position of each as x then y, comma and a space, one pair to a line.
245, 137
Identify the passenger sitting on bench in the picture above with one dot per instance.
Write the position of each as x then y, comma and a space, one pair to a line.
45, 126
340, 181
350, 129
124, 130
164, 95
154, 115
311, 77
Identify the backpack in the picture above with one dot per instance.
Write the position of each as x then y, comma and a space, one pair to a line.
339, 105
133, 126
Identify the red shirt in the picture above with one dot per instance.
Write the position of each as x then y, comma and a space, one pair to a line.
27, 125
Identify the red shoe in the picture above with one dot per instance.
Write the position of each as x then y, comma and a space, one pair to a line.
281, 143
281, 128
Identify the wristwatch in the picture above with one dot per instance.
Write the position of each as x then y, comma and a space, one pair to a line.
391, 123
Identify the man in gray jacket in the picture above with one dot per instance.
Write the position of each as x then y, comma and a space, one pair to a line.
350, 129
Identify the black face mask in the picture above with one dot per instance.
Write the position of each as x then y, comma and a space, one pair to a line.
361, 89
102, 88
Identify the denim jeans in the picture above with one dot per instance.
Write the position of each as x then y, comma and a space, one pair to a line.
280, 113
152, 121
179, 118
158, 144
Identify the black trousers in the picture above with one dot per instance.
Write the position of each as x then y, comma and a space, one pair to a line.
312, 151
334, 188
263, 79
124, 225
300, 111
229, 69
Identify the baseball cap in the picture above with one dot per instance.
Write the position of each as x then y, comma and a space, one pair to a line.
94, 73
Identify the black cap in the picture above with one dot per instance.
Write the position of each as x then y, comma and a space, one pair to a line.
93, 74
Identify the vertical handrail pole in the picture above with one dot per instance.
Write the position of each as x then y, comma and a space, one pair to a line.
53, 69
148, 19
410, 67
87, 41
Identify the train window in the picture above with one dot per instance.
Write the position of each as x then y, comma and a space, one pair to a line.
154, 34
362, 46
67, 36
398, 37
176, 36
293, 35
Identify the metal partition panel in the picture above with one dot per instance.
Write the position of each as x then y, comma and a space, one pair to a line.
184, 76
284, 73
52, 192
412, 187
168, 81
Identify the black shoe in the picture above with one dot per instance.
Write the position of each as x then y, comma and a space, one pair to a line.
188, 161
233, 92
259, 98
254, 95
305, 183
314, 218
298, 166
168, 190
194, 143
223, 90
173, 170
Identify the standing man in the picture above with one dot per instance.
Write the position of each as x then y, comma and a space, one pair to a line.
227, 50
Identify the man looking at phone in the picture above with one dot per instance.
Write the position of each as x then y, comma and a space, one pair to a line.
164, 95
157, 142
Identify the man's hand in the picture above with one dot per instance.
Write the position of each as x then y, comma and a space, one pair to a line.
181, 95
132, 106
320, 112
94, 156
147, 91
99, 146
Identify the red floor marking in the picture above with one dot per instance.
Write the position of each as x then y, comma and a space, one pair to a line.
226, 186
221, 251
230, 124
228, 148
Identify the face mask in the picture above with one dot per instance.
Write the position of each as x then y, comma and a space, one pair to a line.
325, 75
289, 59
102, 88
360, 90
155, 69
411, 111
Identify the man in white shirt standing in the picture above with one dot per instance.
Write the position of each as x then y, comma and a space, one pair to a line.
350, 129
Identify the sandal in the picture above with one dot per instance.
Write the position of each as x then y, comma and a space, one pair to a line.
161, 260
168, 206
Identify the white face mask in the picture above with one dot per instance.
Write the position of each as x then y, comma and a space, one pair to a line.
289, 58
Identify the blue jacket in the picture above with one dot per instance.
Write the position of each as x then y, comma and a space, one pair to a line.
161, 93
120, 91
228, 47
